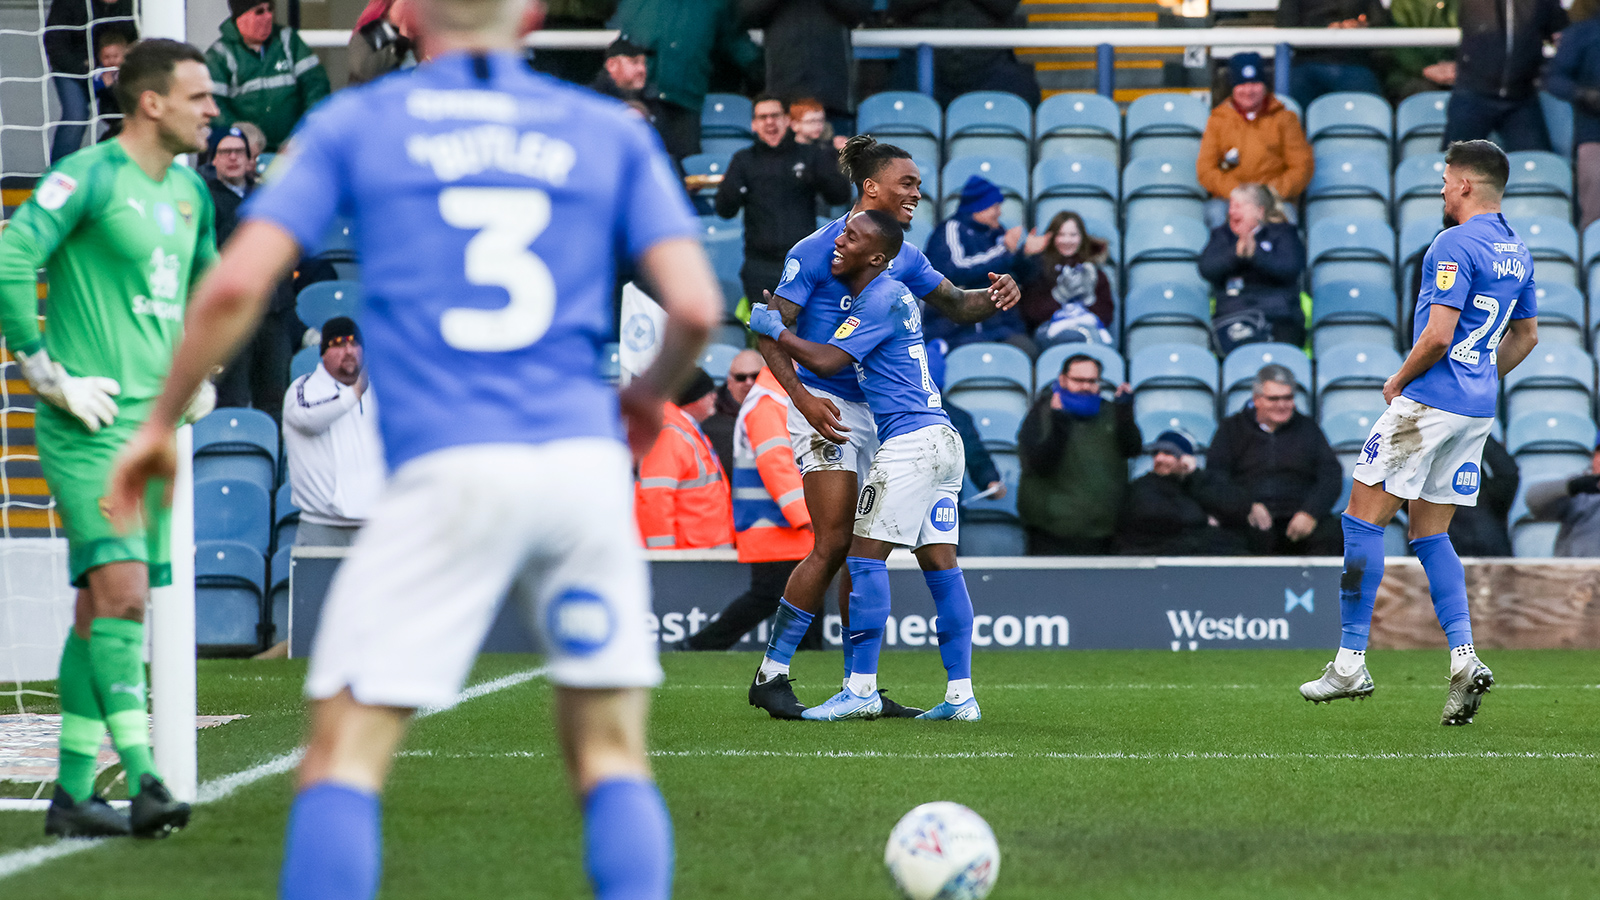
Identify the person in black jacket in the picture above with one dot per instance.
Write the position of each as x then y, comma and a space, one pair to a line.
1254, 264
777, 182
66, 46
1180, 509
1283, 462
1317, 72
808, 49
1496, 68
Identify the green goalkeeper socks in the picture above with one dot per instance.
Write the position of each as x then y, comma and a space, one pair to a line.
82, 722
116, 651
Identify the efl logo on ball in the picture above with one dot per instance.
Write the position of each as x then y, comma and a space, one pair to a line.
1466, 481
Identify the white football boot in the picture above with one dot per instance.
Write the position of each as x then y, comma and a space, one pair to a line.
1333, 686
1467, 688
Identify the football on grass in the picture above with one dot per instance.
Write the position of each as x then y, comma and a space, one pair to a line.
942, 850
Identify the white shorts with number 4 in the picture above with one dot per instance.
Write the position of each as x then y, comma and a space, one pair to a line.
815, 453
909, 498
1419, 452
548, 526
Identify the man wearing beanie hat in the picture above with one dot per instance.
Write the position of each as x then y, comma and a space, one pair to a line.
1180, 509
681, 497
330, 437
965, 248
248, 64
1252, 138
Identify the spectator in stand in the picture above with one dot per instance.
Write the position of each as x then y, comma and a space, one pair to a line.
777, 183
623, 75
1575, 503
66, 47
231, 180
1324, 71
773, 526
980, 466
1288, 472
685, 39
809, 121
808, 49
263, 72
1498, 68
1481, 530
111, 43
330, 438
681, 498
381, 41
965, 248
1066, 295
1413, 70
1074, 449
1252, 138
743, 371
1254, 263
1574, 75
1180, 509
958, 71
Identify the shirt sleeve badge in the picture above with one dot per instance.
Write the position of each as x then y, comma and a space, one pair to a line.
1444, 275
846, 328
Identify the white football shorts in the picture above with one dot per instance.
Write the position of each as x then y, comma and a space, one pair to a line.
1419, 452
815, 453
549, 527
910, 495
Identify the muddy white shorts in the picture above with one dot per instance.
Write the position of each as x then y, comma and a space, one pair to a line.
1419, 452
548, 527
909, 498
815, 453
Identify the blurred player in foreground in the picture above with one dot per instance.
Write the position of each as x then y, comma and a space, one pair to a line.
1474, 323
122, 230
490, 239
909, 499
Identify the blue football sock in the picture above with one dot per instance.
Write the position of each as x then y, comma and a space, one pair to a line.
627, 838
849, 651
869, 612
788, 627
1358, 588
333, 849
954, 608
1447, 582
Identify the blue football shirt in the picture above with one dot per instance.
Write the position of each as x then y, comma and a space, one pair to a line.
1483, 269
808, 282
883, 334
490, 206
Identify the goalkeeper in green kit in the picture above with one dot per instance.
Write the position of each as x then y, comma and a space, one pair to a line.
123, 231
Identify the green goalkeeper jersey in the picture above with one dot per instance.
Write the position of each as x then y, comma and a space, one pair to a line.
121, 250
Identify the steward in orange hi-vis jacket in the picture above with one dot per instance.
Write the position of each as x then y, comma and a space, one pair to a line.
681, 498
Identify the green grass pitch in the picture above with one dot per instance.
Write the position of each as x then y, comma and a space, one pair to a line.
1104, 774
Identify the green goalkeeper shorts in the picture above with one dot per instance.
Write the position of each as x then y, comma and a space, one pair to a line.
77, 469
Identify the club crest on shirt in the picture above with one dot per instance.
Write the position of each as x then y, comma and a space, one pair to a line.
847, 327
1444, 275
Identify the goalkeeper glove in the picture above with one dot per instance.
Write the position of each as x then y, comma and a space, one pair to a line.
201, 404
1584, 484
765, 320
87, 398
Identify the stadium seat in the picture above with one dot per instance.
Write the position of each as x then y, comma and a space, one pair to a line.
304, 361
1078, 125
1113, 370
1350, 123
1553, 244
1153, 416
610, 362
1347, 312
322, 301
706, 164
1419, 124
992, 508
1530, 540
1347, 431
277, 606
229, 509
1550, 432
927, 212
1161, 188
989, 376
229, 587
1175, 386
725, 124
1166, 312
918, 232
1240, 367
997, 427
910, 121
338, 244
1351, 250
1554, 378
1561, 314
1540, 185
1086, 185
1416, 191
1160, 252
1007, 174
1166, 125
983, 537
1558, 121
1351, 377
994, 124
237, 443
723, 241
716, 359
1536, 468
1414, 243
285, 517
1346, 185
1591, 258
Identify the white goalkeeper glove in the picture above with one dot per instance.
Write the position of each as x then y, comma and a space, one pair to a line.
88, 398
201, 404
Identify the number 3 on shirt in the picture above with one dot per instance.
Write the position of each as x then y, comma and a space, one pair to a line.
1463, 350
507, 221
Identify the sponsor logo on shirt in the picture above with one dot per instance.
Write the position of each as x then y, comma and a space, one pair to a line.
847, 327
1506, 248
431, 106
55, 190
791, 268
1466, 481
454, 155
1512, 268
164, 275
144, 306
1444, 275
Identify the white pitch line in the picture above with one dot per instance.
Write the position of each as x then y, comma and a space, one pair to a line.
220, 788
1108, 756
1443, 682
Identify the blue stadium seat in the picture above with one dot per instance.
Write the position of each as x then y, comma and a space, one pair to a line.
1084, 184
1351, 250
1535, 468
1561, 314
1591, 257
1007, 174
610, 362
910, 121
1540, 185
725, 124
1161, 188
1416, 190
1167, 125
997, 427
1558, 121
995, 124
339, 243
1553, 243
1554, 378
993, 508
229, 587
1414, 242
1346, 185
989, 376
322, 301
1167, 251
237, 443
1531, 540
1113, 370
1175, 386
304, 362
1154, 414
1078, 125
1419, 124
1345, 312
285, 517
927, 212
277, 606
1166, 312
1552, 432
1240, 367
1351, 377
706, 164
723, 241
229, 509
1347, 431
1350, 123
980, 537
716, 359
